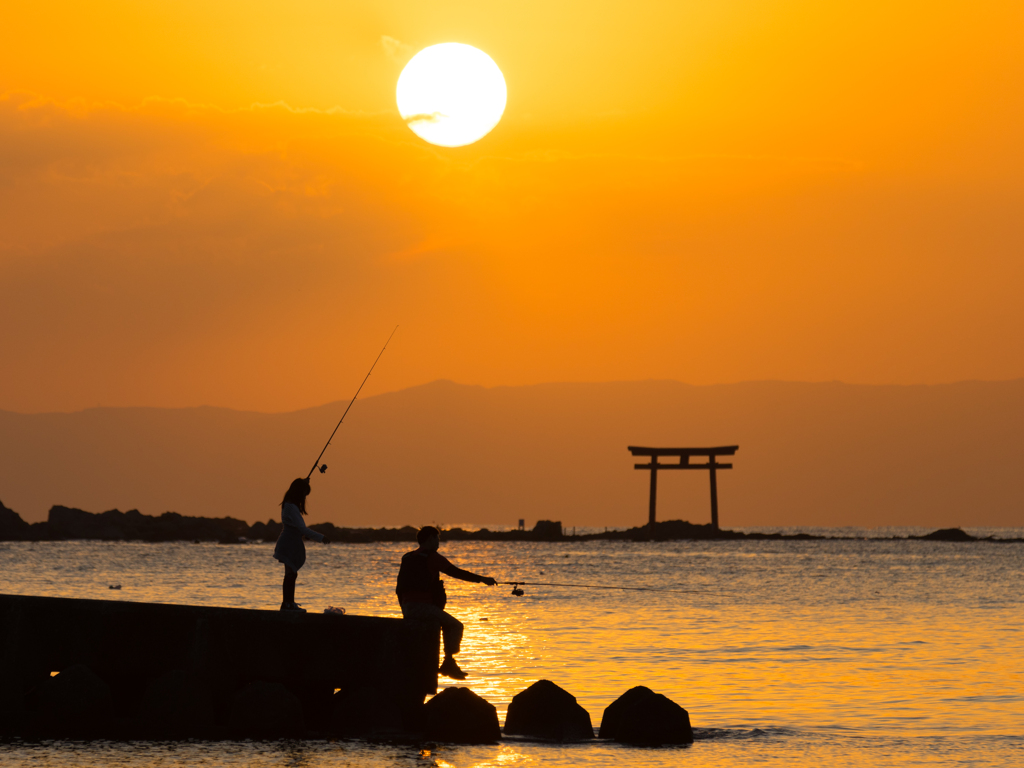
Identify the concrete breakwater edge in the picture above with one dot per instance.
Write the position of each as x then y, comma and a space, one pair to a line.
98, 669
68, 523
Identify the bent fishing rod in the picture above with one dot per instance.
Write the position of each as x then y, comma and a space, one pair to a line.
323, 467
518, 592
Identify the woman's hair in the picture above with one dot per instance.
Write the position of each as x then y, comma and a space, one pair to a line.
297, 493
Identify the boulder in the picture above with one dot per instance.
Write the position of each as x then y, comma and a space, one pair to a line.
641, 716
178, 703
263, 710
546, 711
74, 703
459, 715
614, 713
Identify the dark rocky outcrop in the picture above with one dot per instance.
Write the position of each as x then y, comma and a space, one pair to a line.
548, 530
12, 527
263, 710
268, 531
641, 716
547, 711
113, 525
365, 535
947, 534
459, 715
74, 703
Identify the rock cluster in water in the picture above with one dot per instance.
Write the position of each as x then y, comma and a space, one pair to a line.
67, 523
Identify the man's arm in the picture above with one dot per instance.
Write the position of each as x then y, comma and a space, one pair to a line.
445, 567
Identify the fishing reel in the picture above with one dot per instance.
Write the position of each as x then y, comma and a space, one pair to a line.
322, 468
516, 590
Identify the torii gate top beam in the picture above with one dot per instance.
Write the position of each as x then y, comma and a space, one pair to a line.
724, 450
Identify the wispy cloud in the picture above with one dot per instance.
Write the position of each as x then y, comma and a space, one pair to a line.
425, 117
395, 49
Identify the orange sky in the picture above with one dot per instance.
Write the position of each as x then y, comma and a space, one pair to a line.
218, 203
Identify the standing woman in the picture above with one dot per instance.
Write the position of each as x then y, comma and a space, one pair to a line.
290, 550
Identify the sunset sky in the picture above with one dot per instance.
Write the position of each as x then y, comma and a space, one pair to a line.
218, 203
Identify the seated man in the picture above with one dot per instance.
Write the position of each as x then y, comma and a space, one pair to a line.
421, 593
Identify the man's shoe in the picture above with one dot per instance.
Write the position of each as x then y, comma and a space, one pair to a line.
450, 669
292, 607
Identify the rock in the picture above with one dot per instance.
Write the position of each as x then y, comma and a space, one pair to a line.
74, 703
459, 715
12, 527
268, 531
641, 716
114, 525
546, 711
70, 523
614, 713
947, 534
178, 703
548, 530
263, 710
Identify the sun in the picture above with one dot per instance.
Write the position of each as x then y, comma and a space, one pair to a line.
451, 94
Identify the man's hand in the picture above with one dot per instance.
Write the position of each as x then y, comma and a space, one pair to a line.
488, 581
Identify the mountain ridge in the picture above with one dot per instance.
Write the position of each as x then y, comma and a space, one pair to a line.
811, 453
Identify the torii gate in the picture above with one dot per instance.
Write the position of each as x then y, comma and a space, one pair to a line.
684, 455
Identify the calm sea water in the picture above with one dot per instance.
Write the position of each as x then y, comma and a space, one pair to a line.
842, 652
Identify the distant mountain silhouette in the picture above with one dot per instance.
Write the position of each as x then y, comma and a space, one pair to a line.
810, 454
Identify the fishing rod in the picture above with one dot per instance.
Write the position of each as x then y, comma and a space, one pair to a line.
323, 467
518, 592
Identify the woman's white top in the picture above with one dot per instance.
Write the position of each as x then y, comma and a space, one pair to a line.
290, 550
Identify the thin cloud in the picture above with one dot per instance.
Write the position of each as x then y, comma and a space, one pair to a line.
394, 49
426, 117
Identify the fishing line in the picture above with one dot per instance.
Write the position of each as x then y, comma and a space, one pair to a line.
323, 467
518, 592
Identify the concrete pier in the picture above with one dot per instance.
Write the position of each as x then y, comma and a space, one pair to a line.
115, 669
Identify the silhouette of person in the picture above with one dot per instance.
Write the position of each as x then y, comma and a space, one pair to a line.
421, 593
290, 550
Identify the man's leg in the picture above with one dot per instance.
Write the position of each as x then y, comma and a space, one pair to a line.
451, 633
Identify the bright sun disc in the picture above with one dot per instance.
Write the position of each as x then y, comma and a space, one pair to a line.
451, 94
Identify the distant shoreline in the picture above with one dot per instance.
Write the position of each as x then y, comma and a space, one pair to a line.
70, 524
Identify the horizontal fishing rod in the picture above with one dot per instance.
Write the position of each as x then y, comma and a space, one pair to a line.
516, 591
324, 467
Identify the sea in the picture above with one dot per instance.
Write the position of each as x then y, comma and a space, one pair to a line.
859, 650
